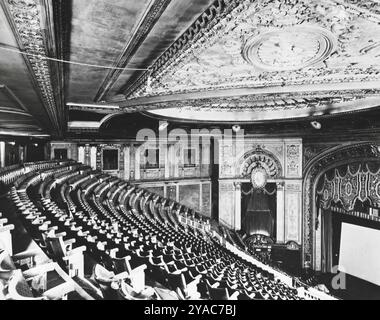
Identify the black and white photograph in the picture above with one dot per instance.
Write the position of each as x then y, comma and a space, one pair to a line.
180, 152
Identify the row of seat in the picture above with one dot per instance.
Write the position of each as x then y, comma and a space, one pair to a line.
132, 232
149, 214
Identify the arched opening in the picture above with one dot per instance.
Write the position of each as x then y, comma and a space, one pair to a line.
359, 160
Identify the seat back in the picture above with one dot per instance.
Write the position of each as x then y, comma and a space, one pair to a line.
6, 266
218, 293
18, 289
56, 246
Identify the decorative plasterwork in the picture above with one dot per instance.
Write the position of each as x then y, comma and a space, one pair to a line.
144, 27
31, 21
209, 55
311, 151
219, 9
290, 48
259, 177
332, 158
358, 183
251, 109
258, 160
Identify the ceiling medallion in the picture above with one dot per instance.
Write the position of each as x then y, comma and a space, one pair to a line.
259, 178
291, 48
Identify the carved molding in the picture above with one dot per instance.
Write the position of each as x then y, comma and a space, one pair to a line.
32, 23
217, 10
313, 150
218, 36
332, 158
260, 158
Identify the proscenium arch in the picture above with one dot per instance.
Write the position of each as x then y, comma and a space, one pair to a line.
367, 151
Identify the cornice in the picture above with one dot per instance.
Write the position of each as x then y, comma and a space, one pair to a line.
208, 19
32, 23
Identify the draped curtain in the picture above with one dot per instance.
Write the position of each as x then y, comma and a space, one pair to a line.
259, 210
327, 245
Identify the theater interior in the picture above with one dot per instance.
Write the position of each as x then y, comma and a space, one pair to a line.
189, 150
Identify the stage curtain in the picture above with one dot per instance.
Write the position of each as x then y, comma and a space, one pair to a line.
327, 247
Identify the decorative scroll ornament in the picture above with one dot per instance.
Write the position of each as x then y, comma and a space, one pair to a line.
28, 19
263, 160
259, 178
358, 183
259, 240
292, 41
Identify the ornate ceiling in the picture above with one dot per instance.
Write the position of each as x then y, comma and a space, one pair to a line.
276, 51
269, 43
188, 61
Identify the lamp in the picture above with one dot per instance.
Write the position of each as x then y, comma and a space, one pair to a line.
163, 125
236, 128
316, 125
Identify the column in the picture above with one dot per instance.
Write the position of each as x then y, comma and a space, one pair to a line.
280, 213
2, 154
205, 160
171, 160
166, 155
81, 155
176, 159
137, 162
87, 158
93, 157
127, 160
227, 204
318, 242
201, 197
237, 220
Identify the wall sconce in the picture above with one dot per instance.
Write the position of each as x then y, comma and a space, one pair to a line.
316, 125
163, 125
236, 128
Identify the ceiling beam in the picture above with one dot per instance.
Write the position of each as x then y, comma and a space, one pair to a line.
11, 95
154, 11
208, 18
61, 26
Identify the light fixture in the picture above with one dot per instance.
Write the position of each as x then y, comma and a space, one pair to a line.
22, 134
236, 128
12, 143
92, 105
163, 125
316, 125
36, 145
